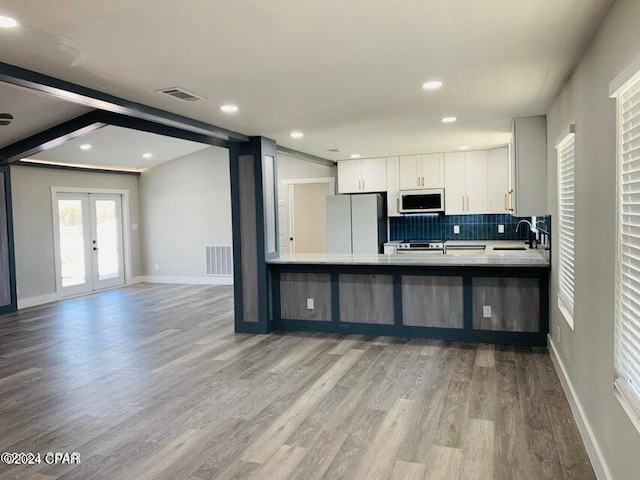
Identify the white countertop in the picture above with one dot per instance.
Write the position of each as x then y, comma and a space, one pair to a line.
490, 258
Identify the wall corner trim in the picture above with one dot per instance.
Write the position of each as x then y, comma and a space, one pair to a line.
598, 462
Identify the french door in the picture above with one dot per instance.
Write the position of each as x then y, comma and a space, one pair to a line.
90, 244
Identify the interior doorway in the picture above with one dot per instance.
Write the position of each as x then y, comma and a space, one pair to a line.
303, 214
89, 242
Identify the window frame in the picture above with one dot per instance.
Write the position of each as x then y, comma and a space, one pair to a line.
566, 306
624, 391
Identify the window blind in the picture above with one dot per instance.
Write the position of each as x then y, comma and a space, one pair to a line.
627, 324
566, 220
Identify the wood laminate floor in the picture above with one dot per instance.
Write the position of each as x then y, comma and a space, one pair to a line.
150, 381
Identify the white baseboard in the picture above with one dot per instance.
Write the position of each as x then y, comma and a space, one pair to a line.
188, 280
54, 297
586, 432
39, 300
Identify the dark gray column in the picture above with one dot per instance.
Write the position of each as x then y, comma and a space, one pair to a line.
254, 208
8, 298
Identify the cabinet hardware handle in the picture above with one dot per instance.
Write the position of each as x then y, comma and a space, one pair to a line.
463, 204
467, 203
363, 184
418, 181
506, 207
423, 181
397, 204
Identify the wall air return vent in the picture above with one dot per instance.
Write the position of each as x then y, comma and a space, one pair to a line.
218, 260
180, 94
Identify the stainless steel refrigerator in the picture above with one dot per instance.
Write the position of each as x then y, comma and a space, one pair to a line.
356, 223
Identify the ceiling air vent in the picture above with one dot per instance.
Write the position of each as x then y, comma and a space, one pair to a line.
180, 94
5, 119
334, 150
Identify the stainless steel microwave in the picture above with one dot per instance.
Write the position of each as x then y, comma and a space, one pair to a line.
422, 201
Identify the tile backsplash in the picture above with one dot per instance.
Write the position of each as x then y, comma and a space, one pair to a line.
472, 227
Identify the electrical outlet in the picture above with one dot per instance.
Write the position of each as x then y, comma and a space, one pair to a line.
500, 228
456, 229
309, 303
486, 311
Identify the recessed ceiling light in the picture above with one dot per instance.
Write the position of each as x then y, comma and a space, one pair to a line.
229, 108
296, 134
86, 146
8, 22
432, 85
449, 119
146, 155
355, 155
464, 147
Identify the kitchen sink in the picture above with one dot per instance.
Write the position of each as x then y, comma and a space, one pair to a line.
520, 249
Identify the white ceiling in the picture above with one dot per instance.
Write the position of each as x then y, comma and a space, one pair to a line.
119, 148
32, 112
347, 73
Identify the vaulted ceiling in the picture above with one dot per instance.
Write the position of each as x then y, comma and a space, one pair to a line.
346, 73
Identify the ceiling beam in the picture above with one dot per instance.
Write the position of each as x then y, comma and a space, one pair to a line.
52, 137
306, 156
104, 101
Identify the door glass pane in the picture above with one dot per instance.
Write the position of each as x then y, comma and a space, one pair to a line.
107, 239
71, 243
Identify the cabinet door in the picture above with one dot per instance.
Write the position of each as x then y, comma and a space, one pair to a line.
410, 172
454, 183
477, 180
498, 180
393, 187
432, 170
374, 175
349, 176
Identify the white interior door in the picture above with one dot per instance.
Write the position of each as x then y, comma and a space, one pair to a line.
90, 243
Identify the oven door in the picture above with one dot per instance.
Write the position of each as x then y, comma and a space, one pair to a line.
422, 201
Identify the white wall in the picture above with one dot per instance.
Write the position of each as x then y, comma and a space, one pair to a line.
185, 204
587, 352
33, 222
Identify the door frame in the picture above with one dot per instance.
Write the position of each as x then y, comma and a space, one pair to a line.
126, 229
287, 185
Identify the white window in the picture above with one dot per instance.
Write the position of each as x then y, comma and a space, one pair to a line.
627, 314
566, 225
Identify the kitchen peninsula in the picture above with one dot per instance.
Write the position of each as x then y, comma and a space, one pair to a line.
499, 295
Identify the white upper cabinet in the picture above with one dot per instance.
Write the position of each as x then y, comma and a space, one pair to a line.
454, 183
466, 185
499, 180
528, 165
476, 181
393, 187
410, 172
421, 171
360, 176
374, 174
349, 176
433, 170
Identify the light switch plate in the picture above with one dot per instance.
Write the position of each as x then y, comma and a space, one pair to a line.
500, 228
456, 229
486, 311
309, 303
